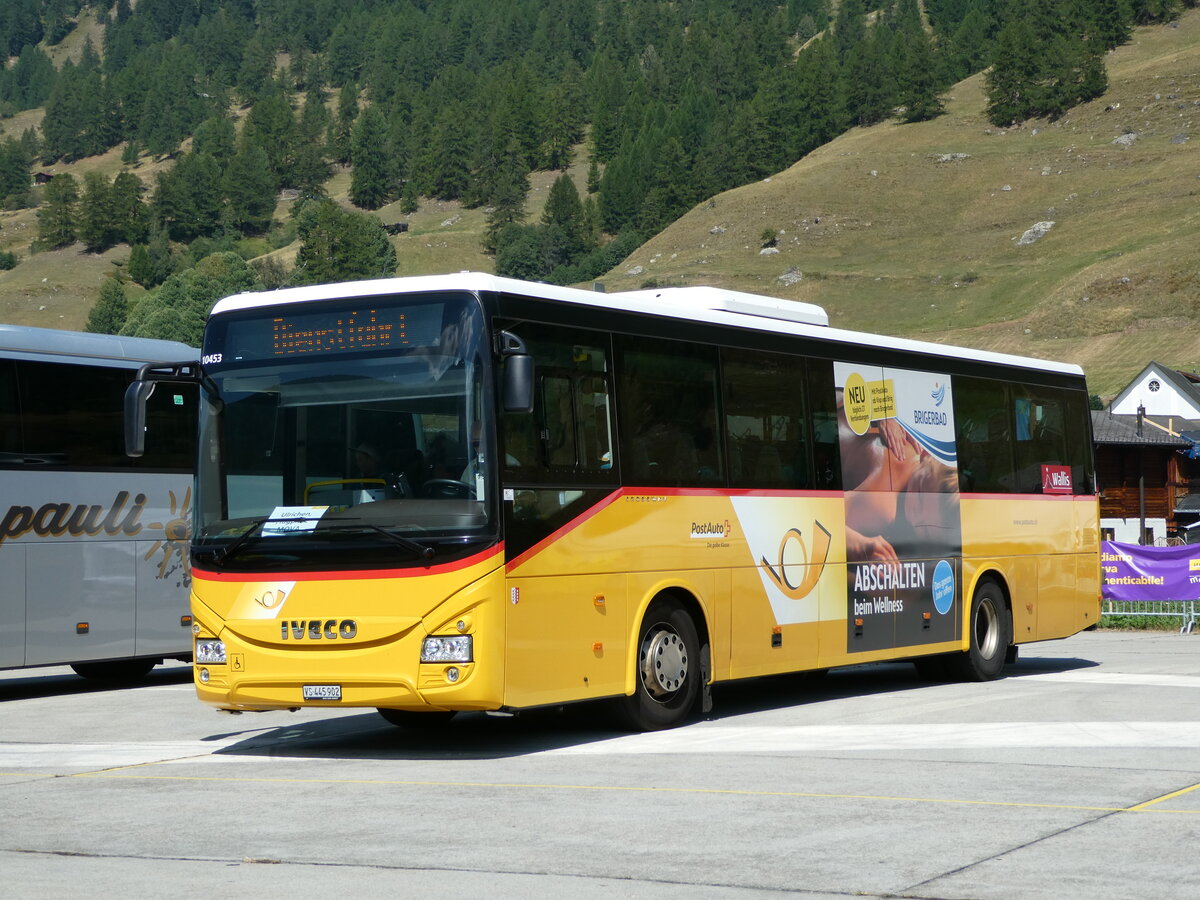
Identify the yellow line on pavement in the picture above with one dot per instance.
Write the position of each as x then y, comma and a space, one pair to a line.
1143, 806
139, 772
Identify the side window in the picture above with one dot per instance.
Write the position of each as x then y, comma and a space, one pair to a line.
766, 431
984, 434
1038, 426
1080, 454
170, 428
822, 401
73, 415
668, 413
568, 436
10, 411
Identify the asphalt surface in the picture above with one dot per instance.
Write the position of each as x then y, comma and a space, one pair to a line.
1077, 775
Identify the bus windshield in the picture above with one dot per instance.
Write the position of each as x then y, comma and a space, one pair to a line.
348, 436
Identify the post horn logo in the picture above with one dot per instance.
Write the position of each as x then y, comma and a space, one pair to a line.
813, 562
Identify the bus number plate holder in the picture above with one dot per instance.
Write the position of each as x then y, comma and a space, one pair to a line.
322, 692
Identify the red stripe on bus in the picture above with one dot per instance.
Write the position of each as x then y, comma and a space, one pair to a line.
1055, 497
654, 492
570, 526
352, 574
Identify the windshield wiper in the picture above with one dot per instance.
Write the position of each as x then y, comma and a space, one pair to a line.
233, 547
422, 550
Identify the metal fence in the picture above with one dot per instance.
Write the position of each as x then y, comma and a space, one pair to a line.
1188, 611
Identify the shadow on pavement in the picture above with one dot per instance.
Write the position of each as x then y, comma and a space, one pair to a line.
479, 736
60, 681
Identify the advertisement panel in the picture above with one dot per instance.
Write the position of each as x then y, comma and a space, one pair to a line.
1132, 572
903, 531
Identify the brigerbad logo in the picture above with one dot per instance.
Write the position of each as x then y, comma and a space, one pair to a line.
710, 531
938, 393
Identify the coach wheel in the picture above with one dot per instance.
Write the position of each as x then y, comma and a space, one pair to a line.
411, 718
990, 635
116, 670
668, 669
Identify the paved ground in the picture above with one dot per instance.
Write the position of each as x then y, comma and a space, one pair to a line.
1076, 776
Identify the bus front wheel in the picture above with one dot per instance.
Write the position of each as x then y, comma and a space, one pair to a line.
990, 635
668, 669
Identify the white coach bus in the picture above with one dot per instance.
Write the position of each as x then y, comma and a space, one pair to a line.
94, 569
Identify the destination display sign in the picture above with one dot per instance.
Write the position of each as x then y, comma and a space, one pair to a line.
316, 332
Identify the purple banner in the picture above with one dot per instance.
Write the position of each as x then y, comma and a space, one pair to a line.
1133, 572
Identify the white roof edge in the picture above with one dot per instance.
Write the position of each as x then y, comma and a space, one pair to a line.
645, 301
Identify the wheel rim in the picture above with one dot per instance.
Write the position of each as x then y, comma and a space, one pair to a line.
987, 628
664, 662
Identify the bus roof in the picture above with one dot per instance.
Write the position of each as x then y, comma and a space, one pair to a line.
30, 343
698, 304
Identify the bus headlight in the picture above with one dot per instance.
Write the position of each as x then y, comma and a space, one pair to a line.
457, 648
211, 652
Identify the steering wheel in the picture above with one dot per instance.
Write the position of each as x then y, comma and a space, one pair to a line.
447, 488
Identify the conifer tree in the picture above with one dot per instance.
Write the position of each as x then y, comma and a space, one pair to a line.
338, 245
249, 189
217, 137
310, 168
372, 175
108, 314
95, 227
919, 91
564, 215
140, 269
14, 172
272, 125
507, 202
57, 214
343, 124
131, 216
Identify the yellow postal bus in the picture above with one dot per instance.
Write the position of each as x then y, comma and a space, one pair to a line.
466, 492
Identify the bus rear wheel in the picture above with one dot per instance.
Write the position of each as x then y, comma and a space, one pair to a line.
668, 669
990, 635
411, 718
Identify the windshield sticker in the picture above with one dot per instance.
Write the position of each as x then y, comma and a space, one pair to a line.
293, 519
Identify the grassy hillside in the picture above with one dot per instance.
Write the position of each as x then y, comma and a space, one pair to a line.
902, 229
913, 229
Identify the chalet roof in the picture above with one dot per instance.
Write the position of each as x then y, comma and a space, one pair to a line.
1162, 391
1188, 503
1110, 429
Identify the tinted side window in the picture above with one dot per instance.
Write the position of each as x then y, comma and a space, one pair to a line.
10, 413
73, 415
567, 438
668, 413
1039, 431
766, 428
170, 428
822, 401
1079, 442
984, 435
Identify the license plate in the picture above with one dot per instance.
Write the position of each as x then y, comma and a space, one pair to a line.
322, 692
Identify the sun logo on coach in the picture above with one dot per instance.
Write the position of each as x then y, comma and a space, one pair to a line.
174, 544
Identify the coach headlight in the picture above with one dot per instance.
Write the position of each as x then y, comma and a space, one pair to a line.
210, 652
456, 648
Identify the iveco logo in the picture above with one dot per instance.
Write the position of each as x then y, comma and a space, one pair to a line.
317, 629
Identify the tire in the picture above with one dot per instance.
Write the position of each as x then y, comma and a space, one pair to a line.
668, 669
990, 635
410, 718
117, 670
